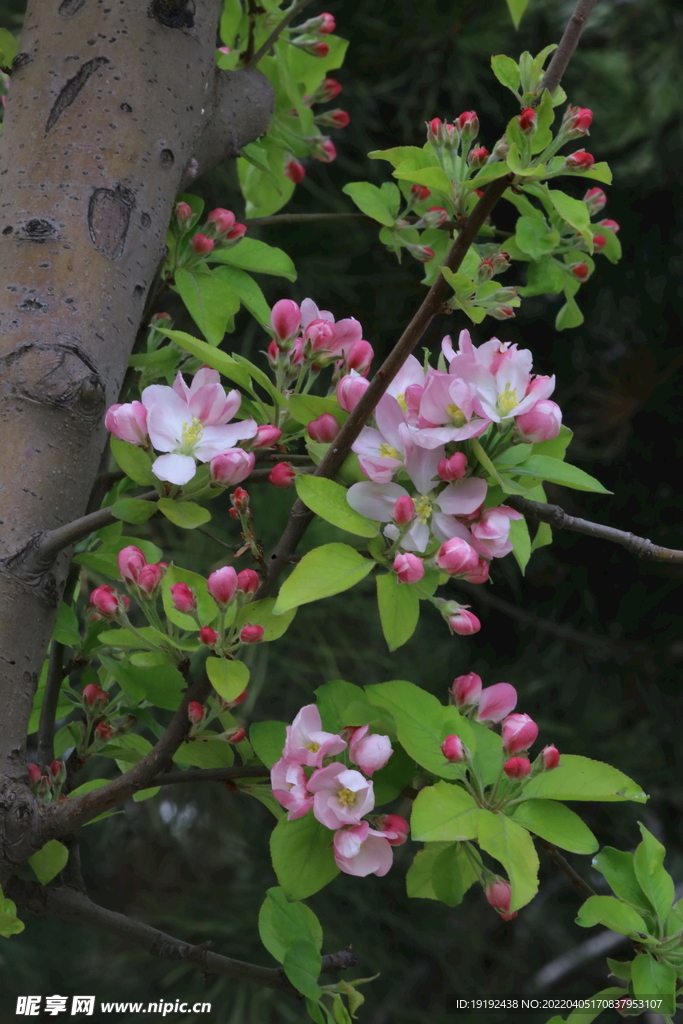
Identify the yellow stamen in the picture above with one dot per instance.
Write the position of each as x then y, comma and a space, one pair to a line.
313, 747
456, 414
401, 399
423, 509
507, 400
387, 451
191, 434
346, 797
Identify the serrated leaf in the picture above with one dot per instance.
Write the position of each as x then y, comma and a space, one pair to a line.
49, 860
612, 913
228, 678
325, 571
133, 460
257, 257
444, 813
399, 609
580, 778
512, 845
131, 510
369, 199
506, 71
209, 300
328, 500
302, 856
557, 824
186, 514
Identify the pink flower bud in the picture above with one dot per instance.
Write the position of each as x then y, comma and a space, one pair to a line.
324, 429
453, 468
324, 150
106, 601
519, 732
222, 585
359, 355
320, 334
577, 121
58, 771
202, 244
266, 436
232, 467
273, 354
195, 712
333, 119
495, 702
480, 574
478, 156
182, 213
453, 749
34, 773
463, 622
149, 578
611, 225
393, 823
485, 271
285, 319
595, 199
350, 390
528, 121
517, 767
251, 634
580, 271
94, 696
328, 90
295, 171
421, 192
282, 475
184, 598
409, 568
240, 499
456, 557
599, 242
423, 253
468, 125
498, 895
580, 161
130, 560
248, 581
492, 530
221, 220
369, 751
541, 423
466, 689
236, 232
326, 24
434, 217
550, 757
238, 700
209, 636
434, 129
127, 422
104, 731
403, 511
234, 735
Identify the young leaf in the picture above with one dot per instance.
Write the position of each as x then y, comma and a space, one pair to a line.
305, 408
206, 606
488, 755
9, 922
9, 47
205, 753
419, 874
517, 9
186, 514
521, 542
512, 845
370, 200
619, 872
257, 257
260, 613
574, 212
557, 824
328, 500
49, 860
131, 510
580, 778
133, 460
282, 923
399, 609
325, 571
655, 881
534, 237
569, 315
506, 71
212, 357
452, 875
249, 292
268, 740
444, 813
302, 963
228, 678
558, 472
162, 685
209, 301
651, 978
66, 629
432, 177
302, 856
612, 913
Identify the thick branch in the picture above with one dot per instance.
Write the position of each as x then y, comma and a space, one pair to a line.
560, 520
71, 905
277, 32
568, 43
209, 775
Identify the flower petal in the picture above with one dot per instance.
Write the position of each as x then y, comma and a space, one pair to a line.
175, 469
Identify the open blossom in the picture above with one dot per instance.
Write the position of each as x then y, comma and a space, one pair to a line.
369, 752
449, 411
344, 332
341, 796
361, 850
492, 531
288, 781
306, 741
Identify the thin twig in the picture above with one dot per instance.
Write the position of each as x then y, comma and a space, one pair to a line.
48, 710
277, 31
71, 905
209, 775
568, 43
312, 218
560, 520
569, 871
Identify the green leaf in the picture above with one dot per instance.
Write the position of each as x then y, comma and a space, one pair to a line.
557, 824
66, 629
370, 200
210, 302
534, 237
619, 872
444, 813
419, 874
506, 71
390, 781
205, 753
302, 856
49, 860
228, 678
261, 378
268, 740
521, 542
325, 571
335, 697
211, 356
401, 154
187, 514
432, 177
613, 248
612, 913
574, 212
462, 285
162, 685
598, 172
282, 923
260, 613
131, 510
453, 874
328, 500
569, 315
655, 881
399, 609
512, 845
620, 968
581, 778
133, 460
302, 964
544, 277
488, 757
305, 408
651, 978
206, 606
9, 48
558, 472
9, 922
517, 9
556, 448
257, 257
488, 173
422, 724
146, 794
247, 289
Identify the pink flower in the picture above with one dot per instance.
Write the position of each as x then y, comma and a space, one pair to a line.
493, 529
542, 423
394, 828
222, 585
232, 467
362, 851
449, 412
325, 428
498, 895
288, 781
282, 475
307, 743
350, 390
550, 757
370, 753
222, 220
130, 561
454, 750
519, 732
495, 702
466, 689
285, 319
341, 795
409, 568
456, 557
128, 422
517, 767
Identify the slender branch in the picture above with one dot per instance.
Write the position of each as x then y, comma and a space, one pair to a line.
48, 711
277, 31
568, 43
433, 303
569, 871
560, 520
209, 775
70, 905
305, 218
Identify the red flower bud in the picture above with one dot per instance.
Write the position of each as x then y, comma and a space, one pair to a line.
580, 271
453, 468
251, 634
611, 225
266, 436
222, 220
595, 199
295, 171
324, 429
184, 598
528, 121
599, 242
421, 192
236, 232
393, 823
408, 568
94, 696
577, 121
248, 581
202, 244
234, 735
282, 475
328, 90
240, 499
550, 758
208, 636
517, 767
498, 895
580, 161
107, 601
195, 712
478, 156
454, 750
466, 689
468, 125
238, 700
104, 731
34, 773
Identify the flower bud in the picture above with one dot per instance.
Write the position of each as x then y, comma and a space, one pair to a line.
396, 824
456, 556
519, 732
231, 467
104, 731
251, 634
285, 319
94, 696
611, 225
453, 468
517, 767
480, 574
182, 213
496, 702
478, 156
580, 271
208, 636
221, 220
195, 712
333, 119
58, 772
106, 601
541, 423
236, 232
454, 750
235, 735
127, 422
420, 192
222, 585
184, 598
359, 355
320, 334
409, 568
282, 475
295, 170
328, 90
434, 217
434, 130
202, 244
316, 47
421, 252
576, 122
34, 773
240, 499
403, 511
596, 200
485, 271
248, 581
528, 121
266, 435
468, 125
324, 429
350, 390
326, 23
579, 161
550, 758
273, 353
599, 242
466, 689
462, 621
498, 895
238, 700
323, 149
130, 560
149, 578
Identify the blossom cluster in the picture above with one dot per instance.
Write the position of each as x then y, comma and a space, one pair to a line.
306, 338
306, 778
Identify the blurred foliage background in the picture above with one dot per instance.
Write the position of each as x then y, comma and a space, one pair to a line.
590, 637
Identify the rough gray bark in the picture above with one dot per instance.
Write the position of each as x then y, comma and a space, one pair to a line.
110, 101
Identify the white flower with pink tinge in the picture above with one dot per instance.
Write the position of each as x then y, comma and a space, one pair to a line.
306, 742
190, 424
341, 796
383, 451
370, 753
288, 781
346, 331
450, 410
362, 851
